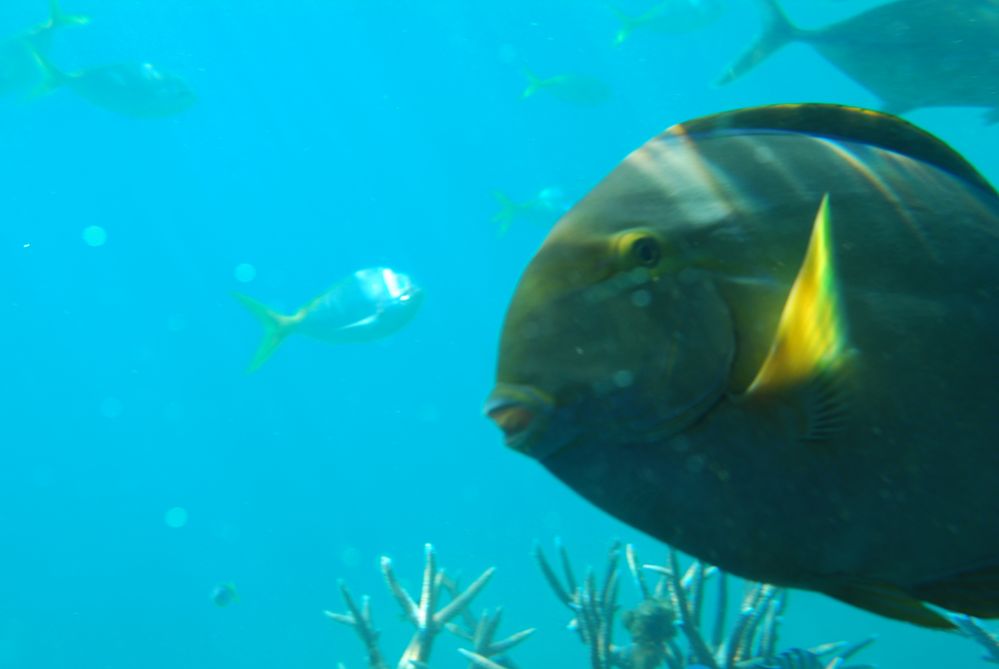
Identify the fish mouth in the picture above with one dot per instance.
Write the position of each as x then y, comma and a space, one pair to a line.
521, 413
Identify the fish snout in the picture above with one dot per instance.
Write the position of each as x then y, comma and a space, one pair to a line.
521, 413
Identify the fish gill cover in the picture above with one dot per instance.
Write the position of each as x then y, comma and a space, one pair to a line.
160, 157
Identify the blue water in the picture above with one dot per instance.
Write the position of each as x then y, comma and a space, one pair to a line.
328, 136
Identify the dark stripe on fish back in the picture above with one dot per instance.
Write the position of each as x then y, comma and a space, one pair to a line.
840, 122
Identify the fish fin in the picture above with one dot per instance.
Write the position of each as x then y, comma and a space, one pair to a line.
534, 84
810, 348
895, 107
508, 211
52, 77
627, 22
889, 601
841, 123
58, 18
777, 33
276, 328
974, 592
363, 322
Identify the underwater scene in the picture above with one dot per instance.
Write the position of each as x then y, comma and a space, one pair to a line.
576, 334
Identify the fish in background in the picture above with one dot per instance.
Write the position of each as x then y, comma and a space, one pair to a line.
910, 53
769, 338
136, 90
369, 304
671, 17
577, 89
20, 70
224, 594
542, 209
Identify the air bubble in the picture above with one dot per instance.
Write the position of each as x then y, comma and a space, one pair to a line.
95, 235
245, 272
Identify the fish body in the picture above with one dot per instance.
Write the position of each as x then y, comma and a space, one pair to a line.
369, 304
671, 17
224, 594
138, 90
577, 89
768, 338
910, 53
543, 208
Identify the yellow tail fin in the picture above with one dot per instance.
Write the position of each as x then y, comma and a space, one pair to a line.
276, 328
59, 18
534, 84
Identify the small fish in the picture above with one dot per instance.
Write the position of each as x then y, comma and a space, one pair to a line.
577, 89
768, 338
224, 594
909, 53
367, 305
543, 208
671, 17
137, 90
20, 70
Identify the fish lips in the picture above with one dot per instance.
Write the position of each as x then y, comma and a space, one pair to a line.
524, 414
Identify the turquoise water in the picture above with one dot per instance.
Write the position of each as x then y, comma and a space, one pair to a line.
141, 466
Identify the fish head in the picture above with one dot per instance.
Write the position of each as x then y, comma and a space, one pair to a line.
155, 92
400, 288
614, 333
175, 93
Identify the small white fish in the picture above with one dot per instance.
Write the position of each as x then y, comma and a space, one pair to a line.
670, 17
578, 89
138, 90
367, 305
544, 208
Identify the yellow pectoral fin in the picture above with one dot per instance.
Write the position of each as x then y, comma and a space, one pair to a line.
810, 348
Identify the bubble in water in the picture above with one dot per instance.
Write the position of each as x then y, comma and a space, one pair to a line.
508, 54
623, 378
245, 272
350, 557
111, 407
175, 517
94, 235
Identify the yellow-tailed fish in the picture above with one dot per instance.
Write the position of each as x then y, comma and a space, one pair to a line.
582, 90
669, 17
769, 338
542, 209
369, 304
909, 53
138, 90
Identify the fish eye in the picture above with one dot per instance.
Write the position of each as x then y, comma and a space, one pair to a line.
645, 251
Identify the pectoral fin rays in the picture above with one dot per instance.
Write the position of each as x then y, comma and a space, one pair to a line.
807, 359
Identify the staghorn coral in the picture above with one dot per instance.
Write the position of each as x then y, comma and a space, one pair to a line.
665, 626
676, 601
430, 615
971, 628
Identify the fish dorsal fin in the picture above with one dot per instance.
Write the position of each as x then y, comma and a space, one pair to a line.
810, 349
839, 122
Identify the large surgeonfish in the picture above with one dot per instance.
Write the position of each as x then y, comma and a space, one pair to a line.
769, 338
367, 305
909, 53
